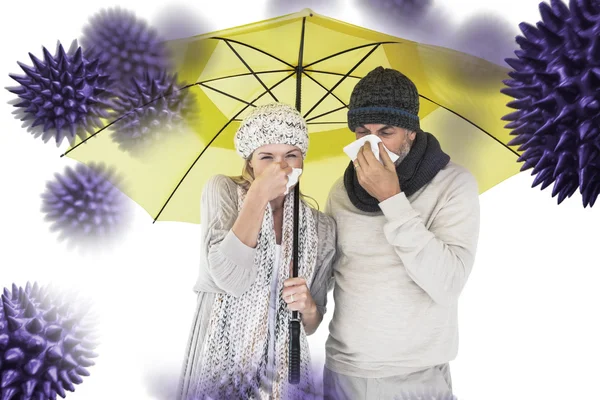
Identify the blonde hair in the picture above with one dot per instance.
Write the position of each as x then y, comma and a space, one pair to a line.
247, 177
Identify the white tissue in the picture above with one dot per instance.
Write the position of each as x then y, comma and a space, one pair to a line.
352, 149
293, 178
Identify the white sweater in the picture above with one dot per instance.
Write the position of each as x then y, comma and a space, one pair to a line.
398, 276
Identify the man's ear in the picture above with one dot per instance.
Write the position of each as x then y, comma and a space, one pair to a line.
412, 135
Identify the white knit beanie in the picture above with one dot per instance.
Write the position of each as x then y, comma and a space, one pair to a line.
274, 123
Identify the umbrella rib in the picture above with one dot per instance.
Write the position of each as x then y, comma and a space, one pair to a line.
250, 69
224, 93
308, 123
333, 73
212, 140
320, 84
377, 44
326, 113
123, 116
246, 74
474, 124
341, 80
254, 48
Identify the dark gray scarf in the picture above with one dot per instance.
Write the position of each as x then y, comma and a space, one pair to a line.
420, 166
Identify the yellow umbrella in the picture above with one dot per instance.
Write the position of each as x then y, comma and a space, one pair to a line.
312, 62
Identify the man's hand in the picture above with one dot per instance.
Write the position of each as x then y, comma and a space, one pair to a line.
380, 181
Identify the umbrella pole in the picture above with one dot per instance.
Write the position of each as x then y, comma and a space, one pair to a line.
294, 345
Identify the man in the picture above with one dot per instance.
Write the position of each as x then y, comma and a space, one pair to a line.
407, 236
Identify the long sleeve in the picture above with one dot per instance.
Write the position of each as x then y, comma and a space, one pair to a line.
323, 278
337, 251
230, 263
438, 259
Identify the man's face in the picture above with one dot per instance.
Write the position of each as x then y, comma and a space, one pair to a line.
395, 139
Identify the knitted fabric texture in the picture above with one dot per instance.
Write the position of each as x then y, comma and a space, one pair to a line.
274, 123
420, 166
384, 96
234, 359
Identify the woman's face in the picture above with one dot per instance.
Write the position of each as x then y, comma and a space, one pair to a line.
284, 154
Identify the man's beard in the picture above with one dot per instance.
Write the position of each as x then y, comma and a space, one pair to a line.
403, 153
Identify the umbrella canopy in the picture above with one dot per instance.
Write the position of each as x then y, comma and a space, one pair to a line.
312, 62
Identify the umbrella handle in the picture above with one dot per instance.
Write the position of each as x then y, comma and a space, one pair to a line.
294, 344
294, 369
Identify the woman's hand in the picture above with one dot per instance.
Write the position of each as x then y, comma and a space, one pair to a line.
297, 296
269, 185
272, 182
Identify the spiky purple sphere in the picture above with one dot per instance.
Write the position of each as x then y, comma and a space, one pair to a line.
64, 95
129, 45
84, 203
44, 343
399, 8
555, 82
148, 109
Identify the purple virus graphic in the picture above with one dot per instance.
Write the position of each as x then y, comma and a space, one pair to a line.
408, 19
147, 109
162, 384
127, 44
555, 84
486, 36
177, 21
403, 9
45, 343
279, 7
256, 384
83, 203
62, 96
242, 385
238, 386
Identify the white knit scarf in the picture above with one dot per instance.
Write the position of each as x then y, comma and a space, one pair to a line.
234, 359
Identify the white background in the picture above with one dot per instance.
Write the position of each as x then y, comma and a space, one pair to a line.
527, 316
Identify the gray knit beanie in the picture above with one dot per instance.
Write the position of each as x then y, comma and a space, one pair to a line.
274, 123
384, 96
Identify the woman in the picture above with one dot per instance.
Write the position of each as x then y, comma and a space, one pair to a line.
238, 347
